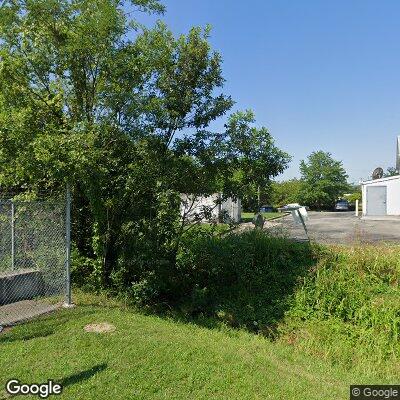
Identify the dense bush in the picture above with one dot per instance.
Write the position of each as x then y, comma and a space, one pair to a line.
246, 279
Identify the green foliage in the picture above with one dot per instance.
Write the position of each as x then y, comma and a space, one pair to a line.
253, 158
244, 279
257, 158
353, 297
80, 102
90, 97
286, 192
324, 180
354, 196
341, 302
86, 272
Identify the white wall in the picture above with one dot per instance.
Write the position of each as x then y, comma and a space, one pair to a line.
393, 194
232, 208
190, 206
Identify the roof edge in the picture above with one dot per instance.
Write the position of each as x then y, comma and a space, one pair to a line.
389, 178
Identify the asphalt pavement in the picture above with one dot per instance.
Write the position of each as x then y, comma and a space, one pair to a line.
343, 228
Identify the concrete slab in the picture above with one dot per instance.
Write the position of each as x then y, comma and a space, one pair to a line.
21, 285
11, 314
381, 218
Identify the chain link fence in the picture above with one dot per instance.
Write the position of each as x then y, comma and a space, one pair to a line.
34, 258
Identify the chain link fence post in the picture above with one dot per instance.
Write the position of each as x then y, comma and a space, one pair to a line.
12, 235
68, 300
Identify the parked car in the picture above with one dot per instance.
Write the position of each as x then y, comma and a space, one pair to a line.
267, 208
342, 205
291, 205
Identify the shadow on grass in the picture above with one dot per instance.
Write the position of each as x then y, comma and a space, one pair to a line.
33, 333
41, 327
82, 376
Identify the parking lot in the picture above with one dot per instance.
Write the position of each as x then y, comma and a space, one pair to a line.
343, 228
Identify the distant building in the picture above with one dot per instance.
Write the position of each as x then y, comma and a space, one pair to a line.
381, 196
207, 208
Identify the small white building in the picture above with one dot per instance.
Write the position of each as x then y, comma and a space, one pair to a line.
199, 207
382, 196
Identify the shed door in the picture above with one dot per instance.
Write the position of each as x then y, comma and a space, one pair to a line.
376, 200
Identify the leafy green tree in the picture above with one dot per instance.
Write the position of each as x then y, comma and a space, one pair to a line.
286, 192
89, 97
83, 103
252, 157
324, 180
352, 197
353, 193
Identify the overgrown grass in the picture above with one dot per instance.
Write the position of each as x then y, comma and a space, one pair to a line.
338, 302
148, 357
348, 307
342, 302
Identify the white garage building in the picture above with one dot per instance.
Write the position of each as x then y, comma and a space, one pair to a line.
382, 196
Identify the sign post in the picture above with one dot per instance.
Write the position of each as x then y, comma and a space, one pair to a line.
299, 215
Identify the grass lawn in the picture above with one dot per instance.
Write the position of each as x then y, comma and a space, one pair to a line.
148, 357
248, 216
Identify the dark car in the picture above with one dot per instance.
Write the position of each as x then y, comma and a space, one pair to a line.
267, 208
342, 205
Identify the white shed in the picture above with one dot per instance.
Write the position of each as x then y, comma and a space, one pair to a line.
193, 207
381, 196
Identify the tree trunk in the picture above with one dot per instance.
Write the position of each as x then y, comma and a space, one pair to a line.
110, 257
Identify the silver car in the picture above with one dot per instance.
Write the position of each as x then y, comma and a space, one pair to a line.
342, 205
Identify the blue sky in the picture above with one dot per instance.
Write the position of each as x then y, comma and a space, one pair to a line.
321, 75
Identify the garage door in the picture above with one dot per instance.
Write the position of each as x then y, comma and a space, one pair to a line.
376, 200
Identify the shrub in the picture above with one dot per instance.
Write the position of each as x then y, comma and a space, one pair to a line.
246, 279
85, 272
